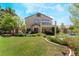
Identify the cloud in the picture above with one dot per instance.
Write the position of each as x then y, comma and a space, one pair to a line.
65, 20
59, 8
51, 17
62, 20
35, 7
29, 8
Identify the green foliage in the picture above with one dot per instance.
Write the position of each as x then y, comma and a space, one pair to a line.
71, 27
63, 29
6, 35
41, 34
8, 23
62, 25
77, 51
22, 26
31, 35
20, 34
36, 35
72, 42
57, 40
74, 10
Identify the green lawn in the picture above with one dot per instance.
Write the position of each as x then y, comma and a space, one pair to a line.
25, 46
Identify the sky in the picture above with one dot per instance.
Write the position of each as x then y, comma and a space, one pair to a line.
57, 11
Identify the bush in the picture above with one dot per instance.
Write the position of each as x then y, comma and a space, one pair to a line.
57, 40
73, 43
76, 51
34, 35
20, 34
6, 35
41, 34
31, 35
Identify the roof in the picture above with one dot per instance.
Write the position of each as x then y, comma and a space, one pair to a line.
38, 15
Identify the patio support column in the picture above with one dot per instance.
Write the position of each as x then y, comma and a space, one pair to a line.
41, 27
55, 29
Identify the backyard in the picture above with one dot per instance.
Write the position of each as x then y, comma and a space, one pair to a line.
29, 46
40, 35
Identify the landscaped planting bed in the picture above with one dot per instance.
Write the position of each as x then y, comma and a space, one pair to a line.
70, 41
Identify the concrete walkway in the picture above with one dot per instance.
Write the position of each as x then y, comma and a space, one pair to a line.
71, 53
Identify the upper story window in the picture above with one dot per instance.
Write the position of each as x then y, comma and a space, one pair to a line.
46, 23
36, 21
43, 22
46, 20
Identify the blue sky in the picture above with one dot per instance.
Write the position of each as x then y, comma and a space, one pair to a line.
58, 11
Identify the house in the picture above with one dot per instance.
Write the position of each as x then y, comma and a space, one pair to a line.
39, 23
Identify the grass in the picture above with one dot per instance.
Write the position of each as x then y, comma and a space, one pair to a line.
28, 46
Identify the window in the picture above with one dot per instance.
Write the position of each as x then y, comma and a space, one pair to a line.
46, 20
46, 23
36, 21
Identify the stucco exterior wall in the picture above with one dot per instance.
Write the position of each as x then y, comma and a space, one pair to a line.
31, 19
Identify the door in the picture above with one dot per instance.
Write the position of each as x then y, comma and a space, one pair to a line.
36, 30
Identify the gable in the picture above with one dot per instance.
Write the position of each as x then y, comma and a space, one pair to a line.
37, 18
38, 15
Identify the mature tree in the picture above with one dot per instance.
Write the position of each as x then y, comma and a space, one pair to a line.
62, 25
74, 10
8, 23
63, 28
23, 27
10, 10
8, 20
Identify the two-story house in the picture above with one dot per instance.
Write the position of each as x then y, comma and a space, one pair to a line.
39, 23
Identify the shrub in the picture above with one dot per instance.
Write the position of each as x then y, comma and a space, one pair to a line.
31, 35
73, 42
20, 34
6, 35
76, 51
41, 34
34, 35
57, 40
